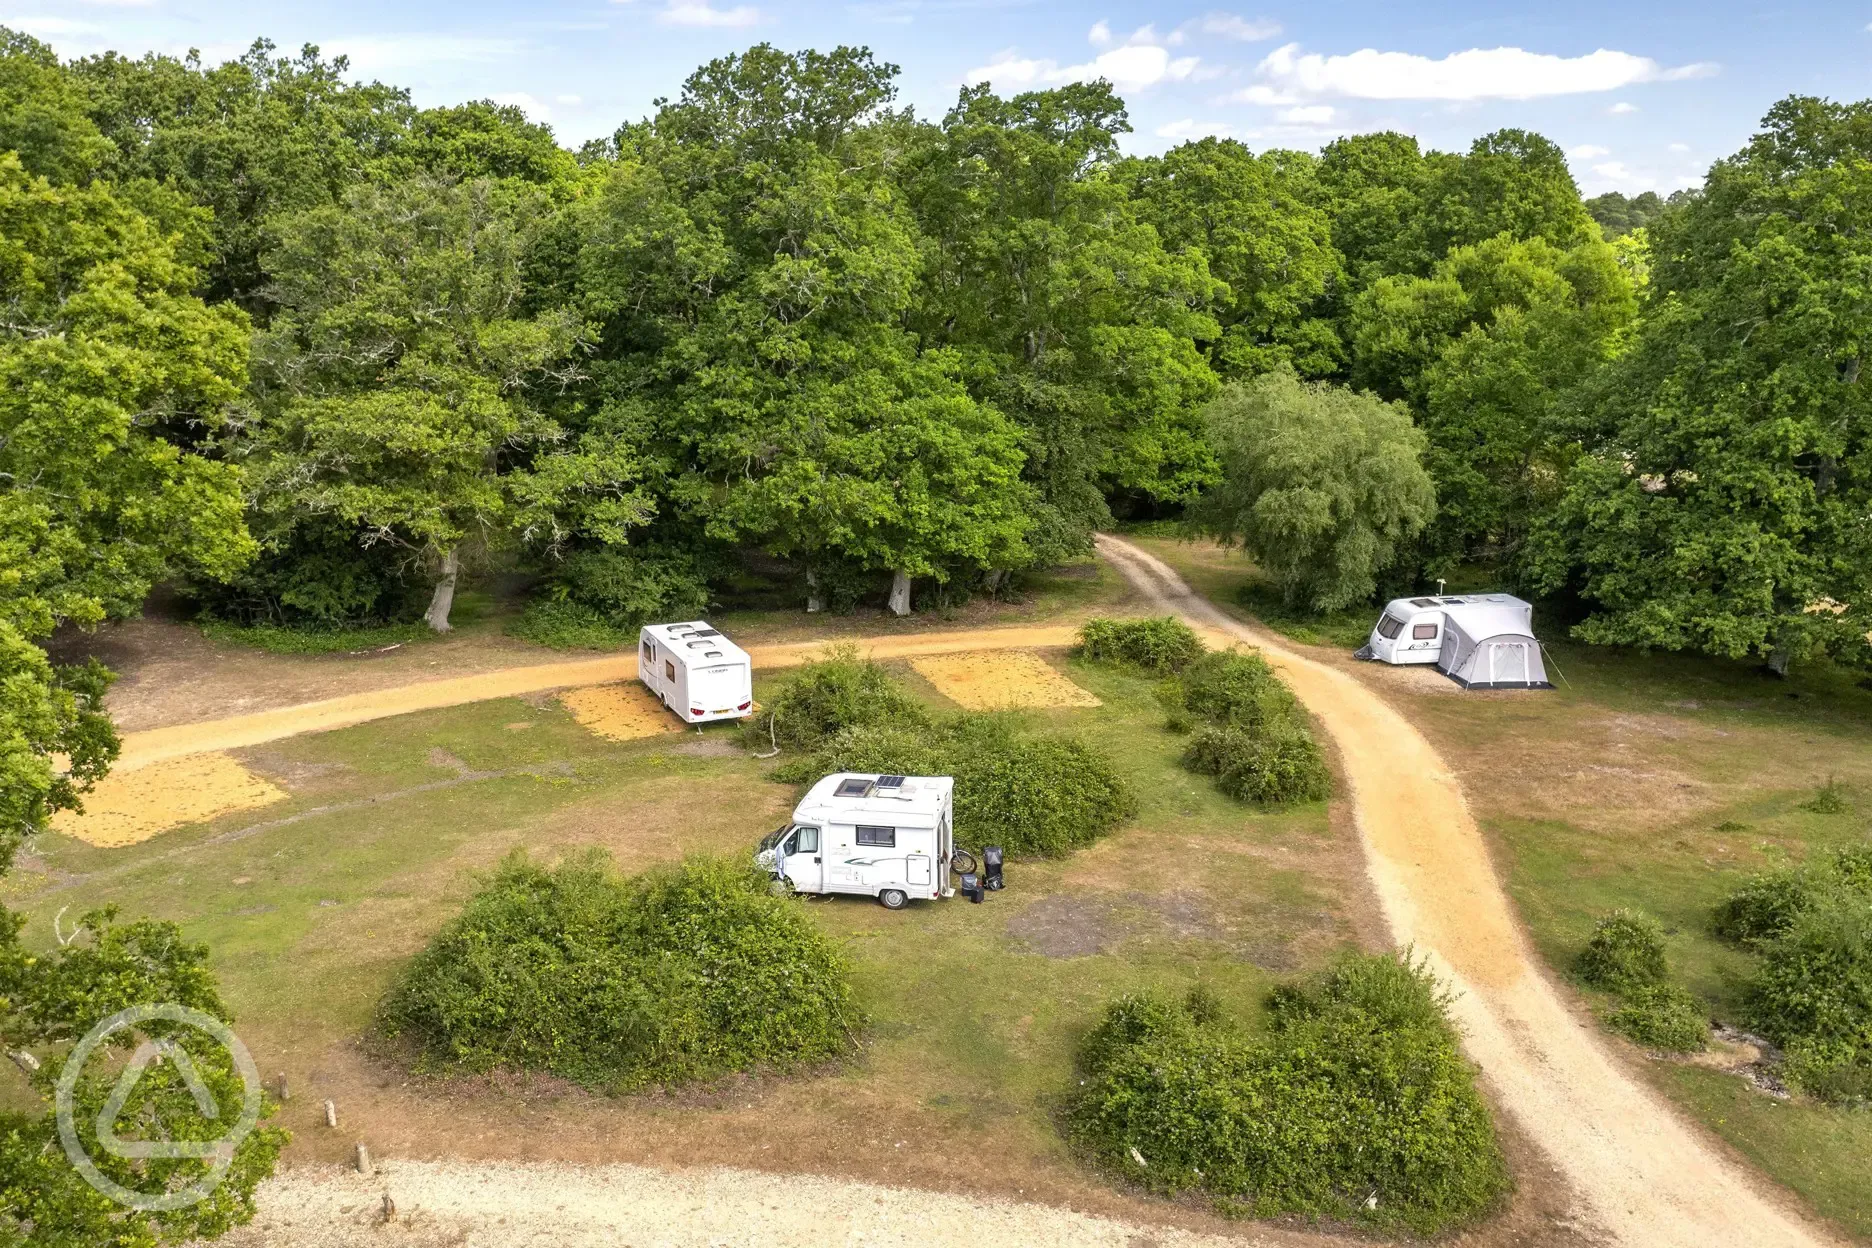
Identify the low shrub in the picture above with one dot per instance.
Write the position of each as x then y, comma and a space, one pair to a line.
1274, 766
1663, 1017
1030, 793
1766, 905
1163, 646
1357, 1105
1625, 954
1812, 995
1233, 687
1828, 799
682, 973
598, 599
842, 690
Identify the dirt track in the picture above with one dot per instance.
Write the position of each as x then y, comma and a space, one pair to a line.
239, 731
1650, 1179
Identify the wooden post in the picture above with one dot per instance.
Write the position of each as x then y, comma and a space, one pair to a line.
389, 1208
363, 1160
331, 1114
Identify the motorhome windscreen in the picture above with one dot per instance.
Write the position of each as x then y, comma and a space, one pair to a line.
773, 838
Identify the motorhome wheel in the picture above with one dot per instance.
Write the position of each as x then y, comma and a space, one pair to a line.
893, 899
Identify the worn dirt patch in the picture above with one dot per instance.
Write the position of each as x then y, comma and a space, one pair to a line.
996, 680
132, 806
620, 712
1067, 926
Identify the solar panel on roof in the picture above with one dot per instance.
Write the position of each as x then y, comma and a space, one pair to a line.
891, 782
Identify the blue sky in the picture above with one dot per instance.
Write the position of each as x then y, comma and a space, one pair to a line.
1642, 95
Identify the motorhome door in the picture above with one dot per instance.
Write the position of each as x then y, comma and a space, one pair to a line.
804, 859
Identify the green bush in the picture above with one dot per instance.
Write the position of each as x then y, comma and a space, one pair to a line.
1663, 1017
1766, 905
839, 691
1625, 954
1812, 995
1274, 766
1828, 799
1358, 1104
1163, 646
1030, 793
598, 599
1232, 687
681, 973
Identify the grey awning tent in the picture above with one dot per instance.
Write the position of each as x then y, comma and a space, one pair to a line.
1498, 661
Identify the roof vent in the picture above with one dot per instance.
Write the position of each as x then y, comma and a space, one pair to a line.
1454, 602
853, 787
1423, 602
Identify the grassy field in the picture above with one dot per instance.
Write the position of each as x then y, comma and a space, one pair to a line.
310, 906
1659, 782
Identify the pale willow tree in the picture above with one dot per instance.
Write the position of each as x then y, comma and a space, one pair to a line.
1320, 484
399, 386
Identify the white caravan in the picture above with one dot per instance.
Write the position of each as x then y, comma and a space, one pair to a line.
1480, 641
889, 837
697, 672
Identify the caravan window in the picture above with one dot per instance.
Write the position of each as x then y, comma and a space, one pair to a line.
885, 838
669, 670
649, 653
1390, 627
1423, 632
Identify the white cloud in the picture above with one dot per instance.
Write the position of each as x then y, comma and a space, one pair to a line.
385, 54
1132, 67
533, 108
1100, 34
1622, 107
1680, 147
1587, 151
1477, 74
1234, 26
1309, 115
1190, 128
570, 101
699, 13
1613, 171
1264, 95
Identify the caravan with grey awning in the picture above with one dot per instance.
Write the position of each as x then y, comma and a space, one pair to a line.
1480, 641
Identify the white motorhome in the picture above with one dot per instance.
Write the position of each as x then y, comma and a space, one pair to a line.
1480, 641
889, 837
697, 672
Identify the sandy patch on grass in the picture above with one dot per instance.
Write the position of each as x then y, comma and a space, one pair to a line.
621, 712
996, 680
128, 807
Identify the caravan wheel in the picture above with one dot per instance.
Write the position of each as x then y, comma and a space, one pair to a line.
893, 899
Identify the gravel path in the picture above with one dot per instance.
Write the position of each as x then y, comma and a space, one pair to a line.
549, 1205
1650, 1179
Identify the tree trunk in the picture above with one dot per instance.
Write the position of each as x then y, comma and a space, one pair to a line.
815, 600
996, 579
900, 593
1778, 660
444, 598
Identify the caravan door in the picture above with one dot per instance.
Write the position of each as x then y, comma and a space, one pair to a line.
803, 859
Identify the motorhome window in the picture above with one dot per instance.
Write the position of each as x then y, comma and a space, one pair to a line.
805, 841
1423, 632
1390, 627
885, 838
669, 670
852, 788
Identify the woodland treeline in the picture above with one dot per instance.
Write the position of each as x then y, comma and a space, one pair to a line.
285, 339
